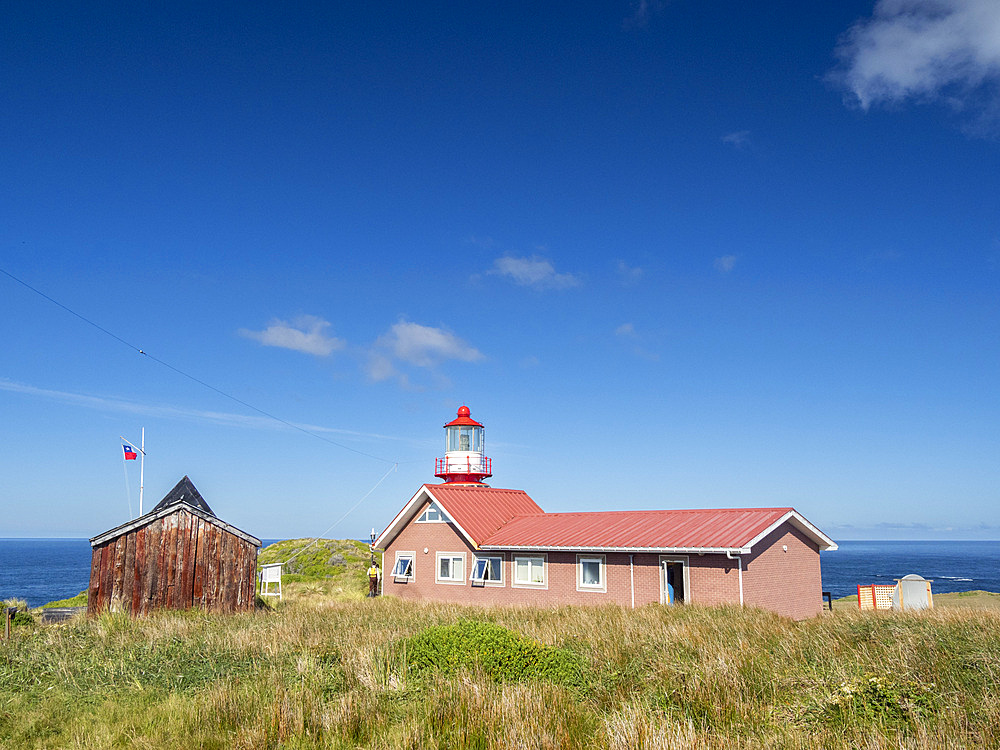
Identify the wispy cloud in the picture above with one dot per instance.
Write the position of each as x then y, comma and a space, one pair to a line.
924, 50
535, 272
642, 12
628, 274
739, 139
162, 411
725, 264
307, 333
417, 345
625, 330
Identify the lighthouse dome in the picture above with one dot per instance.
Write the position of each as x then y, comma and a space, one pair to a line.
464, 460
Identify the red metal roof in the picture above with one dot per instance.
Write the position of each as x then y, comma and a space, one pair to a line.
463, 419
722, 529
481, 510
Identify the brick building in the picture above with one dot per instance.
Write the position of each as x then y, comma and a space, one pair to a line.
463, 541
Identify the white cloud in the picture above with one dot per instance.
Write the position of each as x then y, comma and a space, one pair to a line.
725, 264
946, 50
380, 367
535, 272
739, 139
305, 334
629, 274
626, 330
417, 345
162, 411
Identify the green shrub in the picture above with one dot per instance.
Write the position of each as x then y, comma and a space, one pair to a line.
22, 619
499, 653
879, 700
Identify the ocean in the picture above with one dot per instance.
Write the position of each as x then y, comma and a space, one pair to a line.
45, 570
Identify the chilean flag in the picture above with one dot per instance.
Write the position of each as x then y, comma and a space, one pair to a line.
130, 454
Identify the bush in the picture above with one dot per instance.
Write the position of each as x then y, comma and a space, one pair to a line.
501, 654
878, 699
22, 619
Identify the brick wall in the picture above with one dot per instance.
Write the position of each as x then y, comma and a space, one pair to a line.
786, 581
712, 579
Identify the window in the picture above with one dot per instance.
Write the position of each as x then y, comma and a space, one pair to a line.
465, 439
451, 567
487, 569
433, 514
590, 573
403, 569
529, 571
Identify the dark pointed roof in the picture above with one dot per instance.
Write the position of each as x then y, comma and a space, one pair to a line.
182, 497
184, 492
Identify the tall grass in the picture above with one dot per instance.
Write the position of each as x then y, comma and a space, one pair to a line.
319, 672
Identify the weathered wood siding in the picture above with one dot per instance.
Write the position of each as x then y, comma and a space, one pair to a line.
176, 562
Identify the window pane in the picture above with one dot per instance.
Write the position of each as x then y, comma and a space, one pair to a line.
445, 567
537, 570
433, 513
479, 570
590, 574
495, 569
458, 568
402, 568
523, 566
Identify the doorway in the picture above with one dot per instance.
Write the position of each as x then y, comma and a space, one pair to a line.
673, 580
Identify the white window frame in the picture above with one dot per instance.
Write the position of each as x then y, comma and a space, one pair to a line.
442, 518
602, 585
460, 581
497, 556
527, 584
413, 566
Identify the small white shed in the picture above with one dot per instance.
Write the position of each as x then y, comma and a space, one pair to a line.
912, 592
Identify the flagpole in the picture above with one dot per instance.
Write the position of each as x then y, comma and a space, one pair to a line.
128, 492
142, 464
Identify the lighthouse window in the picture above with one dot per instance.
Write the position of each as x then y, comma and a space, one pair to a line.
451, 567
433, 514
529, 571
465, 439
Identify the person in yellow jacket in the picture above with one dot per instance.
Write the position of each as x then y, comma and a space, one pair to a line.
373, 573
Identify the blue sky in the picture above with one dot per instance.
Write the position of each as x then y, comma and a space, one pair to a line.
672, 254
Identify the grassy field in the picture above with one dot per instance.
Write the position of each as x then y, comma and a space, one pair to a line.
961, 600
328, 668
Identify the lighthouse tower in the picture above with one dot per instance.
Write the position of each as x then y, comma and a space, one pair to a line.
463, 460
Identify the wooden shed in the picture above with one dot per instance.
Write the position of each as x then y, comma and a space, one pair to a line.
177, 556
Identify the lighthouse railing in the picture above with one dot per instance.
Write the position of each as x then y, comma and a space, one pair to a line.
465, 465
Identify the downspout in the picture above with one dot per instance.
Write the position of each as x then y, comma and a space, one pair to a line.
631, 576
739, 560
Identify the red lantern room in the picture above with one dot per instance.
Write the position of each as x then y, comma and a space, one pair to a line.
463, 460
